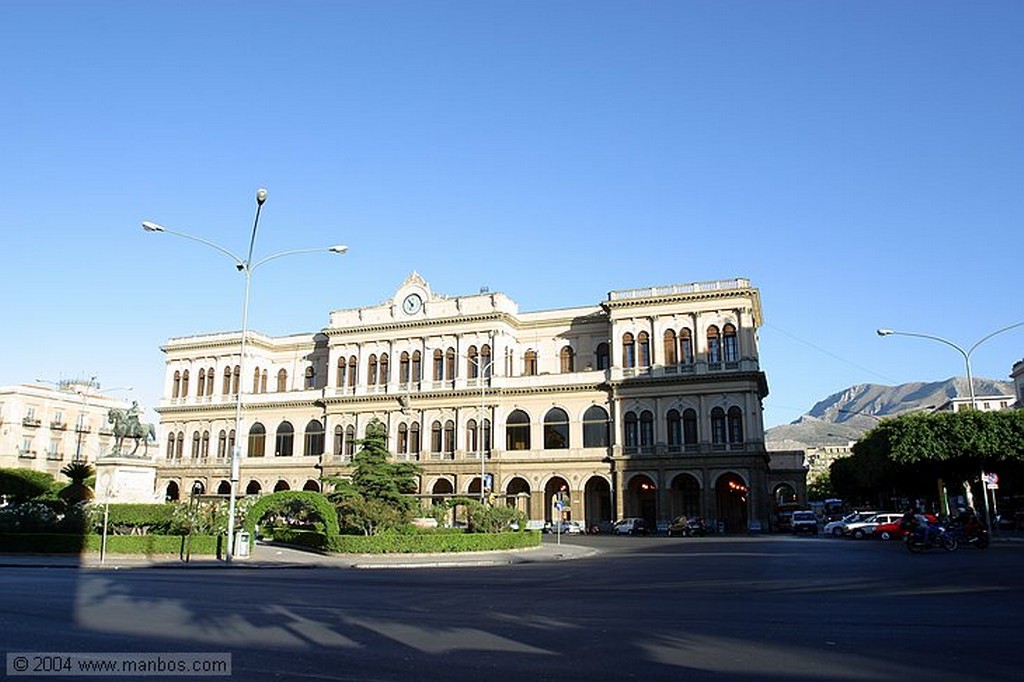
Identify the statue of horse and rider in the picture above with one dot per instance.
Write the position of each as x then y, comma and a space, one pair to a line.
127, 425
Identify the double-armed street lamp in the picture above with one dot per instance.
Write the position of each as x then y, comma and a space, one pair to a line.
966, 353
246, 267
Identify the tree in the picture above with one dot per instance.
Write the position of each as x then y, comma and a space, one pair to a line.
23, 484
908, 453
378, 495
77, 491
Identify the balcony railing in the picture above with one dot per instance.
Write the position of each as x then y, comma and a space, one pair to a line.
31, 421
58, 425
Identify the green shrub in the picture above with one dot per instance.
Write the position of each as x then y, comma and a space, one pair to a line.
132, 519
432, 542
24, 484
62, 543
300, 538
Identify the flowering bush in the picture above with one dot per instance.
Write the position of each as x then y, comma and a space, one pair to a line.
28, 517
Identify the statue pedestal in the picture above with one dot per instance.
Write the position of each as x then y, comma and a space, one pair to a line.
125, 479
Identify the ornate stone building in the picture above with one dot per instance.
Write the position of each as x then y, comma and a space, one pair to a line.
48, 427
647, 404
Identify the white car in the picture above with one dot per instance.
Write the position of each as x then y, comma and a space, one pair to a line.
862, 529
838, 528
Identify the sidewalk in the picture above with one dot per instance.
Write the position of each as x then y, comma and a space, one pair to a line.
274, 556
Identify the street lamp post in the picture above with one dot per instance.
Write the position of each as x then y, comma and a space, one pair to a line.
483, 371
970, 379
246, 267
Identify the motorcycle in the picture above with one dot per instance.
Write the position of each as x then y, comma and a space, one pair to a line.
972, 533
925, 537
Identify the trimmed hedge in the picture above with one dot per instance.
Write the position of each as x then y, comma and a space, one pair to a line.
432, 543
54, 543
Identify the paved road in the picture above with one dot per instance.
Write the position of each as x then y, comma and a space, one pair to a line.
764, 608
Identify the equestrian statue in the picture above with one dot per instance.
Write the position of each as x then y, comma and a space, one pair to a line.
127, 425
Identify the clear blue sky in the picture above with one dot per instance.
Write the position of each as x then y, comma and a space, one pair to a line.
861, 162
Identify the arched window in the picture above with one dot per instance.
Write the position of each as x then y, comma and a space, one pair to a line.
310, 377
184, 383
284, 443
567, 359
730, 344
201, 384
438, 365
530, 363
256, 380
735, 419
414, 438
403, 438
263, 382
595, 427
313, 441
449, 364
209, 381
282, 381
195, 445
339, 441
674, 424
685, 347
222, 444
350, 440
371, 369
353, 367
403, 368
485, 360
204, 445
644, 349
231, 441
670, 347
631, 434
225, 388
435, 437
236, 380
339, 379
690, 429
714, 345
647, 429
385, 374
176, 386
718, 426
628, 351
170, 446
180, 445
517, 431
257, 440
417, 366
472, 363
556, 429
471, 440
602, 356
449, 436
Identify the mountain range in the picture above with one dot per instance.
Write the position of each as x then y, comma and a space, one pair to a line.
846, 415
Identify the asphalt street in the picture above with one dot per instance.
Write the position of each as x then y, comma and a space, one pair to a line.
757, 608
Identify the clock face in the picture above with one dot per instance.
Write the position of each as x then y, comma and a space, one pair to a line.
412, 304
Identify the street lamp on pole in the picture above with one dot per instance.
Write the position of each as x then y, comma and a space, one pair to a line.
483, 371
967, 363
246, 267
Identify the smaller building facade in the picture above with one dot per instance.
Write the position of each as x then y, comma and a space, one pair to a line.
45, 427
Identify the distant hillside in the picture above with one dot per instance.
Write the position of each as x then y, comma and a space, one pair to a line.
844, 416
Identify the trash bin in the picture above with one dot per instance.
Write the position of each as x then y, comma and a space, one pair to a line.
242, 544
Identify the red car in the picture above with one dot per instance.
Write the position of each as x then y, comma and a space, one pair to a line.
892, 531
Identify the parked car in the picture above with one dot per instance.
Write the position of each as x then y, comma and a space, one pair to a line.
862, 529
892, 530
805, 522
688, 527
631, 526
838, 528
566, 527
